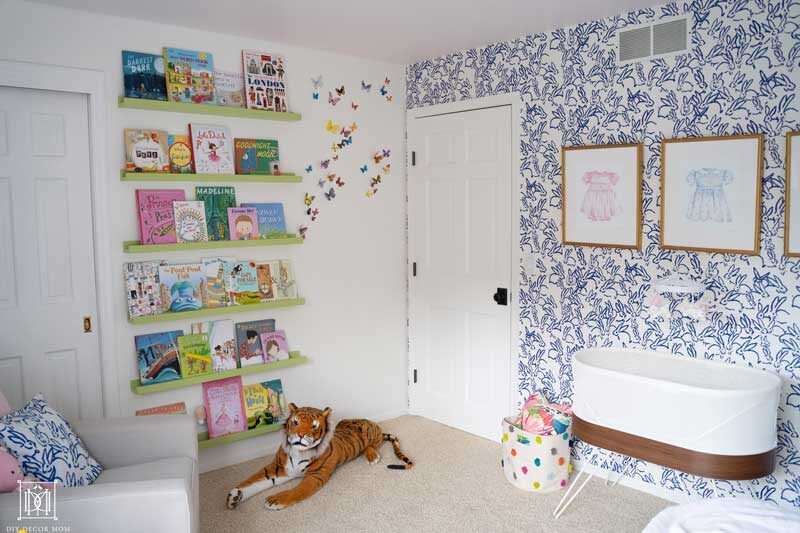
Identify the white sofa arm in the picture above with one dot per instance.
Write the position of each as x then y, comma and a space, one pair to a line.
152, 506
117, 442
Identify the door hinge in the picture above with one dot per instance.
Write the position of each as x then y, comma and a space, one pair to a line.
415, 375
414, 269
413, 158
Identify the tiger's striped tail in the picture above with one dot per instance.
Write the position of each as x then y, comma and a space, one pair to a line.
400, 455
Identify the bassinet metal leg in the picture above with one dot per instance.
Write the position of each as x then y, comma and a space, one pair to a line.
559, 508
625, 465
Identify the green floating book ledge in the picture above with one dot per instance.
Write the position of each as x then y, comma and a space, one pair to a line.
294, 359
216, 178
135, 247
206, 109
204, 442
214, 311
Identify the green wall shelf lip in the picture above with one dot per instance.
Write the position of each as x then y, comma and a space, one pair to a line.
215, 311
206, 178
204, 442
134, 247
294, 359
206, 109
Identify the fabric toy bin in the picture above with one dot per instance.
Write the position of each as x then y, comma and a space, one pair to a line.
536, 463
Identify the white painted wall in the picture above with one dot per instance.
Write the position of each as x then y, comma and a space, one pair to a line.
352, 267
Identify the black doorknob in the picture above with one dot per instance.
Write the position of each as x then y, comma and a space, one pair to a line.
501, 296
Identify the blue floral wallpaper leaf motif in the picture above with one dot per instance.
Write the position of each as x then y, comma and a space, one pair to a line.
741, 76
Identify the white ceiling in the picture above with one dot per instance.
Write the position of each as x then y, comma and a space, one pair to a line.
397, 31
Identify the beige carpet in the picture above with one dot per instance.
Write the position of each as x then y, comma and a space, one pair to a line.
456, 485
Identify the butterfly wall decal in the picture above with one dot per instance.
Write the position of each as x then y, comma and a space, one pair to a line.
387, 81
353, 126
336, 157
308, 199
387, 168
302, 230
371, 193
314, 214
345, 132
376, 180
333, 100
389, 98
339, 90
321, 183
315, 96
366, 87
387, 152
331, 177
317, 83
339, 181
378, 157
332, 127
384, 92
309, 168
325, 164
354, 106
363, 169
331, 194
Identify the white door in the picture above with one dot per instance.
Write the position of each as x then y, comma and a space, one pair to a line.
47, 283
460, 185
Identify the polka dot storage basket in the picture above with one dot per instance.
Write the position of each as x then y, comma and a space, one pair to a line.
536, 463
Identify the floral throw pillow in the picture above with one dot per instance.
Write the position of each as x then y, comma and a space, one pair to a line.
45, 445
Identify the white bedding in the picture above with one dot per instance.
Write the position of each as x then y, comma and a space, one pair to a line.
725, 516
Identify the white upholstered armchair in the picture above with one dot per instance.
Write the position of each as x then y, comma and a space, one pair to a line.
149, 482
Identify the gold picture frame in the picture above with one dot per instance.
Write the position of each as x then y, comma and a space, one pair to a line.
787, 216
570, 229
713, 157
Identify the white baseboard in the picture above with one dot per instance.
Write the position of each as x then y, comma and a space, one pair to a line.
245, 450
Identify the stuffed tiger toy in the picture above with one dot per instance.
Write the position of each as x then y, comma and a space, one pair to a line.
312, 449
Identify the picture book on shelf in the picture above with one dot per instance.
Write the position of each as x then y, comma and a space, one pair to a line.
190, 76
248, 341
221, 342
216, 293
180, 154
241, 282
265, 403
283, 280
143, 75
195, 354
142, 287
264, 84
158, 358
243, 222
146, 150
212, 149
256, 156
190, 221
265, 282
157, 215
217, 200
182, 286
224, 403
271, 221
229, 88
275, 346
178, 408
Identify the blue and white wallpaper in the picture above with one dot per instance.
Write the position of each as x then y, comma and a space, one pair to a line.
741, 76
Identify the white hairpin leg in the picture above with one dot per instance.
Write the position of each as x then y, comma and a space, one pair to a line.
625, 465
561, 508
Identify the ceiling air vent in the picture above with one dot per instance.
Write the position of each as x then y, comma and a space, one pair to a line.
667, 37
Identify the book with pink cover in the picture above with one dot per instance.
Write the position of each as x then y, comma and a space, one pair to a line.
156, 216
243, 223
274, 346
224, 403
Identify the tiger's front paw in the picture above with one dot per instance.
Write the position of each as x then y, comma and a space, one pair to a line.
234, 498
277, 502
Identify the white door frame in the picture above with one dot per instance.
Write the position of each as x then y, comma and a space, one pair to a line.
473, 104
92, 84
